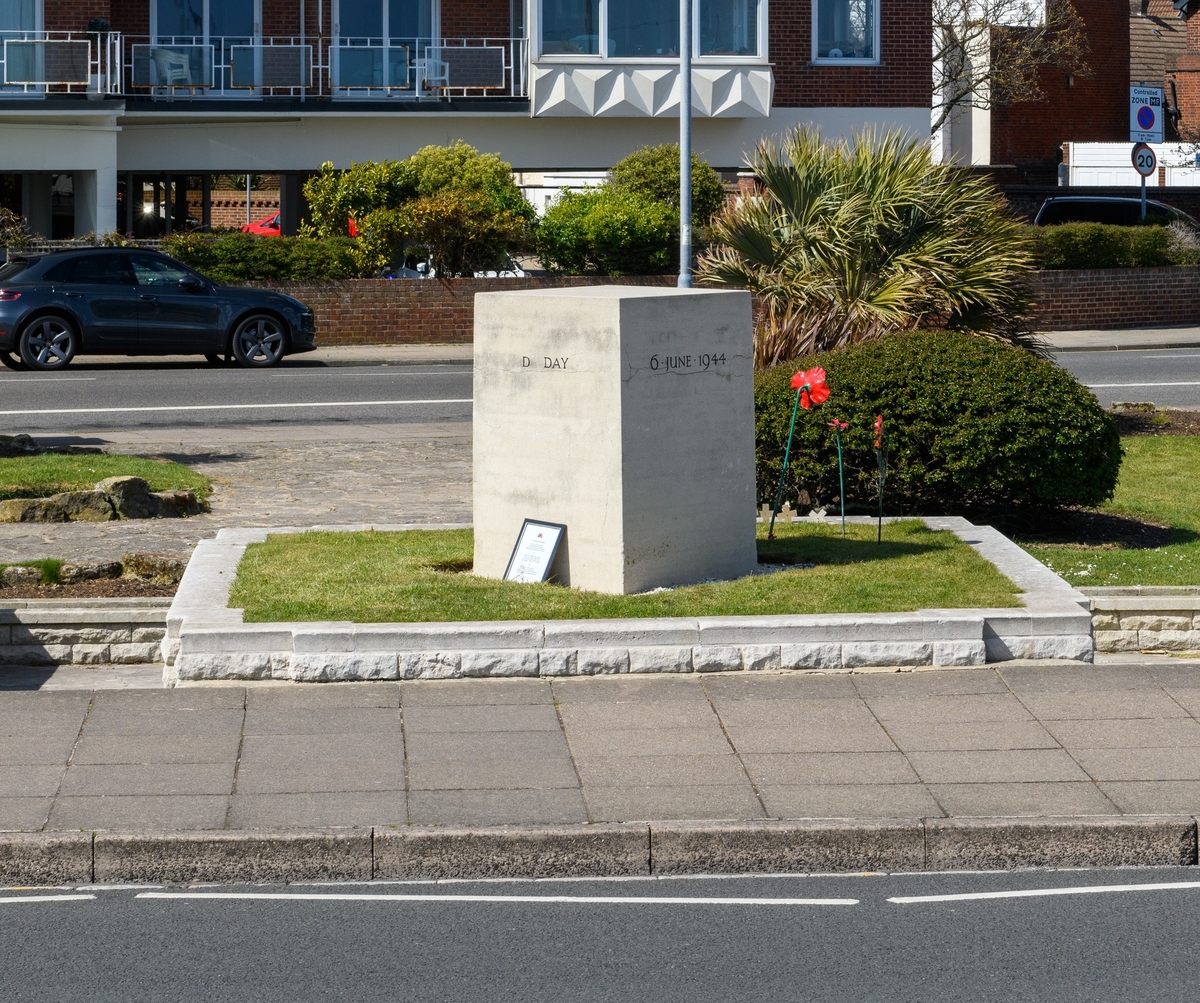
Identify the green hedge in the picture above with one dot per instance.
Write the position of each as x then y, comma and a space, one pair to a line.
971, 425
1097, 245
244, 257
608, 231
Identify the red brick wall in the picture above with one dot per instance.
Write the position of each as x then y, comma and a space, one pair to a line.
904, 78
475, 19
130, 17
1094, 110
73, 15
1117, 297
415, 312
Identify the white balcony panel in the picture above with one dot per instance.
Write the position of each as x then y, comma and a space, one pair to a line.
640, 90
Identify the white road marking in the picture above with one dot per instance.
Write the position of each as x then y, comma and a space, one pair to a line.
1027, 893
12, 899
531, 899
1107, 386
232, 407
51, 379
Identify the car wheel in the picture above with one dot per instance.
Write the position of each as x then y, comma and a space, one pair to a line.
13, 361
48, 343
258, 341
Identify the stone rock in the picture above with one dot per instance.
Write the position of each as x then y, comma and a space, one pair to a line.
70, 506
154, 567
70, 573
20, 576
14, 509
176, 504
18, 445
130, 496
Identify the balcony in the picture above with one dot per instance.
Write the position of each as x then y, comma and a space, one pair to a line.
59, 62
183, 68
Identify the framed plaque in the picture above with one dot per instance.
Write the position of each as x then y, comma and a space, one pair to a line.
532, 557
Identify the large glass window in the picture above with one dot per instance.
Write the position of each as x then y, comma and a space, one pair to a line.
640, 29
180, 19
380, 41
18, 15
845, 29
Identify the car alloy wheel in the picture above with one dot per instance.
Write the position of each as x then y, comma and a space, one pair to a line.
13, 361
258, 341
48, 343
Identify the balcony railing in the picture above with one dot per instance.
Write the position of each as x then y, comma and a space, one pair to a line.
223, 67
60, 62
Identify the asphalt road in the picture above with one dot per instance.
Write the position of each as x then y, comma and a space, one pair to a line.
1168, 377
144, 397
629, 940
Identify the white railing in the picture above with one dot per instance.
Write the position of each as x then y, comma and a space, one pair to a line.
223, 67
60, 62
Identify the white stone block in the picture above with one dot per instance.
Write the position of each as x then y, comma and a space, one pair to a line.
626, 413
430, 665
558, 662
281, 665
716, 658
603, 661
659, 658
959, 652
223, 665
1117, 640
865, 654
143, 635
481, 634
510, 662
1170, 640
35, 654
811, 656
133, 654
325, 667
672, 631
233, 639
760, 657
1151, 621
1106, 621
89, 654
319, 638
70, 635
1075, 647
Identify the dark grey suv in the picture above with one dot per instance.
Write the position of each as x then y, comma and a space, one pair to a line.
128, 301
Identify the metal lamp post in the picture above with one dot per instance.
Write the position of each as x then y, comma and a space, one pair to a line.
685, 144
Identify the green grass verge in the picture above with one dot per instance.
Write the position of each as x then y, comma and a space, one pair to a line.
50, 473
1158, 485
421, 576
50, 567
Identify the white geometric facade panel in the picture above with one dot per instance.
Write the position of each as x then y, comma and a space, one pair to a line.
607, 90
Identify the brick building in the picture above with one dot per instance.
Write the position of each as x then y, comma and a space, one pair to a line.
1185, 79
139, 95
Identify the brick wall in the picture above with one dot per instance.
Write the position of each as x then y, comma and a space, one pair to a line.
130, 17
415, 312
1094, 109
73, 15
476, 19
902, 80
1117, 297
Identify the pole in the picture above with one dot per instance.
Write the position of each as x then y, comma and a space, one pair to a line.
1143, 196
247, 199
685, 148
787, 456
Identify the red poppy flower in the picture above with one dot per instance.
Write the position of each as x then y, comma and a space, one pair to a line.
879, 432
837, 425
812, 387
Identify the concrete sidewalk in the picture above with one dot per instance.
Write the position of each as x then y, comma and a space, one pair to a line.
1003, 741
1133, 338
333, 355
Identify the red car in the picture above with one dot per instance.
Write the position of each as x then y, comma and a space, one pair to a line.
268, 227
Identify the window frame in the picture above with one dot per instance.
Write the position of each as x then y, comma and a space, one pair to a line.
848, 60
600, 58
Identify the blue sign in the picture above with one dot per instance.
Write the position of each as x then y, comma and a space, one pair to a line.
1145, 117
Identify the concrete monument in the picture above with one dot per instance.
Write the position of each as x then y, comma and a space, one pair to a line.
625, 413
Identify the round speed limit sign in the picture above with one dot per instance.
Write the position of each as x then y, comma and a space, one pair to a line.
1144, 160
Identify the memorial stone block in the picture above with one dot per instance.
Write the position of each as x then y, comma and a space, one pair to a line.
625, 413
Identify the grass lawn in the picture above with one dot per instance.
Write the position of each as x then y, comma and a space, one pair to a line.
424, 576
1158, 485
50, 473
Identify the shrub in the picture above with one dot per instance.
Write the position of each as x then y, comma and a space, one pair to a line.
244, 257
971, 425
1097, 245
653, 172
608, 232
858, 238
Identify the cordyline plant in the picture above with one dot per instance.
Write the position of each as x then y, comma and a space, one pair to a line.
851, 240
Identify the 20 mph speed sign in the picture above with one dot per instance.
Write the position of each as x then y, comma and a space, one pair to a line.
1144, 160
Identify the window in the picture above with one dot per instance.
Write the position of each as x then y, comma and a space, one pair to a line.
377, 41
100, 269
158, 272
846, 30
648, 29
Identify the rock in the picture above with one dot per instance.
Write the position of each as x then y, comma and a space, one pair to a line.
130, 497
17, 575
71, 506
175, 504
70, 573
154, 567
18, 445
13, 509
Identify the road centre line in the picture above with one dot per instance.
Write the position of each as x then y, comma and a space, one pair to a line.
1026, 893
518, 899
50, 379
16, 899
231, 407
1109, 386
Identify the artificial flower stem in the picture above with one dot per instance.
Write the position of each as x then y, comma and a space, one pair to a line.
882, 461
837, 435
787, 455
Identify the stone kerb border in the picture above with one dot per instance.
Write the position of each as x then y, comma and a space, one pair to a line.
208, 640
1146, 618
81, 632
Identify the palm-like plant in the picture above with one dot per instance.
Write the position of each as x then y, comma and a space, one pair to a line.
851, 240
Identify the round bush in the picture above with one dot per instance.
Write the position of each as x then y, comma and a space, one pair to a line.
970, 425
608, 232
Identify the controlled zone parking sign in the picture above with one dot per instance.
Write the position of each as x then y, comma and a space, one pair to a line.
1145, 115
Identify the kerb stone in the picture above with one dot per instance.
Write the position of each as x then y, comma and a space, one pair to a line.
41, 859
